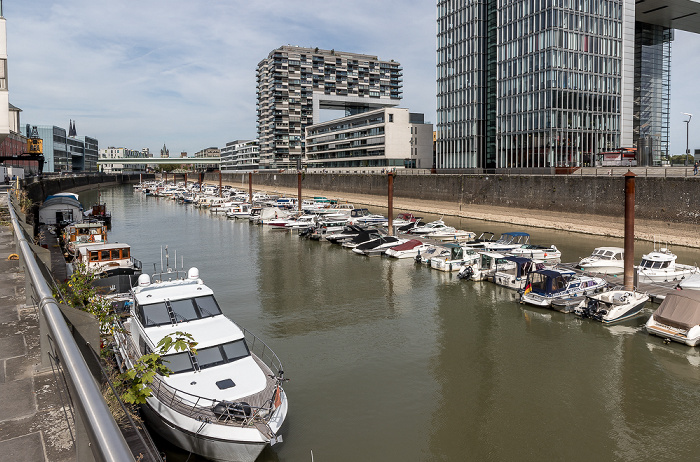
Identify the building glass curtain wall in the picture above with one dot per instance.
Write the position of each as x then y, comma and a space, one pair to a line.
527, 83
652, 91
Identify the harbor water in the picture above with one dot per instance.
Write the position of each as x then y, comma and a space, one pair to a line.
391, 361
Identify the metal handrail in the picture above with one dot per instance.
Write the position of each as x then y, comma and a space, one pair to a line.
105, 438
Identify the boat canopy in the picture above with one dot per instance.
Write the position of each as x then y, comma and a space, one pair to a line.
680, 309
549, 281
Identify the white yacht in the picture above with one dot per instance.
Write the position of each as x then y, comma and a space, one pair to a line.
225, 402
677, 318
660, 266
604, 260
612, 306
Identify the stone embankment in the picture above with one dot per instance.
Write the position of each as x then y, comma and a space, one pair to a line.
667, 208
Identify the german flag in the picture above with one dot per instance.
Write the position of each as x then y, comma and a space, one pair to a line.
528, 289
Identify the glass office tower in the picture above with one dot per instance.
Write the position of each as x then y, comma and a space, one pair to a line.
538, 83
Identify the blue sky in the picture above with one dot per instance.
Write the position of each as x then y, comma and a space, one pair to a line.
182, 73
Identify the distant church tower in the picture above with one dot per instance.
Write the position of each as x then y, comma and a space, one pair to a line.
71, 128
164, 152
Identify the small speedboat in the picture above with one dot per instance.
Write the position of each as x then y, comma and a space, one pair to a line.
377, 246
408, 249
612, 306
604, 260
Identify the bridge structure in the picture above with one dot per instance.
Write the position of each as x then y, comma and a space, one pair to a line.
161, 160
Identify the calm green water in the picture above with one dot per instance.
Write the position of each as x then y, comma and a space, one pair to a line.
390, 361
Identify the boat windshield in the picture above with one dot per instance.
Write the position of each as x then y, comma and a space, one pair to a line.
654, 264
207, 357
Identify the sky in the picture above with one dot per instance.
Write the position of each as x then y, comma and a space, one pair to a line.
182, 73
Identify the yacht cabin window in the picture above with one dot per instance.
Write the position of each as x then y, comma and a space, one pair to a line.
178, 362
154, 314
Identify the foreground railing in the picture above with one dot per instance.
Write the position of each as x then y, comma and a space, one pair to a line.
104, 439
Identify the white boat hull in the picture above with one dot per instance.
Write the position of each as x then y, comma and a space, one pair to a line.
205, 444
690, 338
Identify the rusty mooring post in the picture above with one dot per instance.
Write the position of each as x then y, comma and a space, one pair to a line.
219, 183
629, 230
299, 190
166, 177
201, 180
250, 187
390, 204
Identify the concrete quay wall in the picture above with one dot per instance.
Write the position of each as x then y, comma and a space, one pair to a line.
38, 190
669, 199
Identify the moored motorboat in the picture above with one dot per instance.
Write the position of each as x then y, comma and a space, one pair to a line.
612, 306
408, 249
544, 286
604, 260
485, 267
538, 252
660, 266
515, 277
456, 258
677, 318
224, 402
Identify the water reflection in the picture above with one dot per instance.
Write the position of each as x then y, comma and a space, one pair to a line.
390, 360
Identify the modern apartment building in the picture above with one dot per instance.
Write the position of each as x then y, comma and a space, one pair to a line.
545, 83
382, 138
208, 152
295, 83
240, 155
121, 153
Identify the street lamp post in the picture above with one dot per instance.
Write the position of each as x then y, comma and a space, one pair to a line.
687, 133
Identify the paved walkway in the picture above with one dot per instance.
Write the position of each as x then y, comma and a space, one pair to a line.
33, 425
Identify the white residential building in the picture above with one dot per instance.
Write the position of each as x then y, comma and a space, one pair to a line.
383, 138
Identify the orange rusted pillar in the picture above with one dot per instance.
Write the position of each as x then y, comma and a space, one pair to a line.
250, 187
390, 204
219, 183
629, 230
185, 179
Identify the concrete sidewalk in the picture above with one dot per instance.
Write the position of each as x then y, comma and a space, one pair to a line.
33, 424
